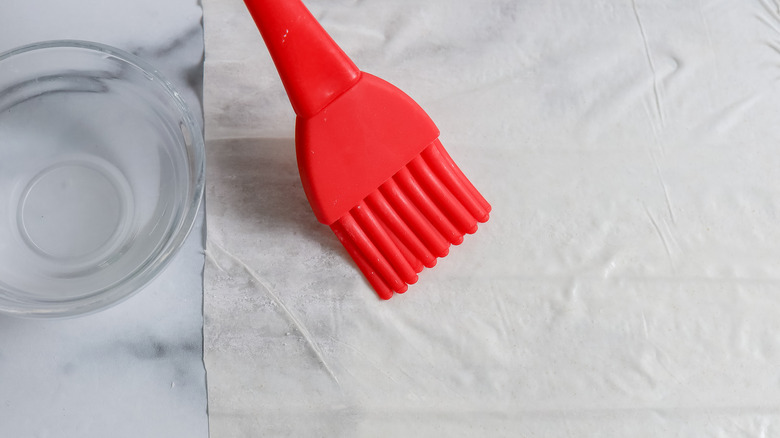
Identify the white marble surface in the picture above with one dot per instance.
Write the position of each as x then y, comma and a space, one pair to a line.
134, 370
626, 285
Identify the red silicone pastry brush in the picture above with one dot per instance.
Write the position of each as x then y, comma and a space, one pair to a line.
369, 157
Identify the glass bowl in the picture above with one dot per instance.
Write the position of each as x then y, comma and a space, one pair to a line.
101, 177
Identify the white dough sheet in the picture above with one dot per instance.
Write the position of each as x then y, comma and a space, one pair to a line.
626, 285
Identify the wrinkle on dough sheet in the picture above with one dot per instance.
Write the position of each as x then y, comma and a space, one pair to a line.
627, 284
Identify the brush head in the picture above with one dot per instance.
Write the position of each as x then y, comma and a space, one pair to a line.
374, 170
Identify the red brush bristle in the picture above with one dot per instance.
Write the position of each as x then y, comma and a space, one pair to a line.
411, 220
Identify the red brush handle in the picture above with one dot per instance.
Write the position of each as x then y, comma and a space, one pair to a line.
313, 68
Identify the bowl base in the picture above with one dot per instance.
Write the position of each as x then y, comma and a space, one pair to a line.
75, 209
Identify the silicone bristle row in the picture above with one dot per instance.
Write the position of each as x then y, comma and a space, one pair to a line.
411, 220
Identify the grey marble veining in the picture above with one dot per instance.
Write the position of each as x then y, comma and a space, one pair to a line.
136, 369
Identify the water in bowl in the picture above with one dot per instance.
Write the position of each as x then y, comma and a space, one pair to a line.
90, 186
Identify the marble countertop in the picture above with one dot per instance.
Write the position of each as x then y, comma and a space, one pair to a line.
626, 284
134, 370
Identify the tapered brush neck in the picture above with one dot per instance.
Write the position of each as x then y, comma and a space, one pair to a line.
313, 69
